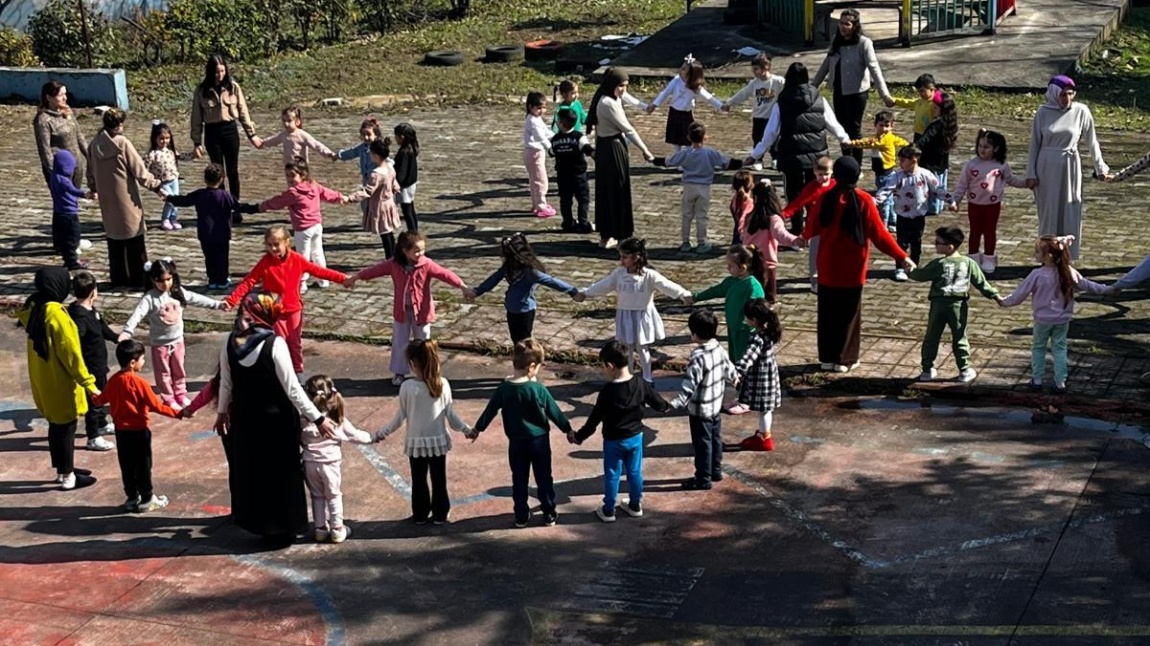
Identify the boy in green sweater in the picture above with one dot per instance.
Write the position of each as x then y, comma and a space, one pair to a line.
527, 406
951, 278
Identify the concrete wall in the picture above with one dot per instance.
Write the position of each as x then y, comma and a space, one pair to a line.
85, 87
15, 13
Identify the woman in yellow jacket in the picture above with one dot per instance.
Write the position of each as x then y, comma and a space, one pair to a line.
57, 371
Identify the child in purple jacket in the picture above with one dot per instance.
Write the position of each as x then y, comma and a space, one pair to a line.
66, 209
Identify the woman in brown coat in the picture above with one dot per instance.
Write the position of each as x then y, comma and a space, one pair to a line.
114, 169
218, 105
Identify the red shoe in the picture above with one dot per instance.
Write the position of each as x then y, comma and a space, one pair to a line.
769, 444
752, 443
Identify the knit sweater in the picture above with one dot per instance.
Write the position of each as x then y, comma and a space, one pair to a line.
132, 401
951, 277
302, 202
1048, 303
527, 406
165, 315
318, 449
412, 283
619, 408
427, 420
634, 292
841, 261
913, 192
282, 276
983, 181
767, 240
296, 145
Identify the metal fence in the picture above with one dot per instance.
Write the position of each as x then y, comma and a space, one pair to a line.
937, 17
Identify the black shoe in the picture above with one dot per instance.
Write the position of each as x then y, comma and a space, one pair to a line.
237, 219
567, 227
550, 518
691, 484
718, 477
521, 522
420, 521
584, 227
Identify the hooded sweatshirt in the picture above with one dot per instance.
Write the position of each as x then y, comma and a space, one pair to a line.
302, 202
65, 194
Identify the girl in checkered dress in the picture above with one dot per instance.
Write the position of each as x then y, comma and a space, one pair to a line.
759, 387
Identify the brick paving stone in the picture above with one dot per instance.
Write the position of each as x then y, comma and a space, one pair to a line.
473, 191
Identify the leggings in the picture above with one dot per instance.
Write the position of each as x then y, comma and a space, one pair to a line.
984, 225
222, 141
644, 353
765, 422
850, 110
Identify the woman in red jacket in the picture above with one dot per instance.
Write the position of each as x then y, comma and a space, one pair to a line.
847, 222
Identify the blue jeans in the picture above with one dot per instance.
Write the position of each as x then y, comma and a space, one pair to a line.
170, 211
525, 456
935, 207
886, 209
707, 440
1056, 334
620, 455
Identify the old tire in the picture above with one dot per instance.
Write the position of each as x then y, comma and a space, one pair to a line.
543, 50
504, 54
443, 58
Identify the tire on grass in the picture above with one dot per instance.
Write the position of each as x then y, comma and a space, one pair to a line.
443, 58
543, 50
504, 54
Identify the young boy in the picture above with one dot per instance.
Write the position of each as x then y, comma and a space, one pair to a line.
526, 405
924, 105
698, 164
951, 278
66, 209
619, 407
885, 145
912, 189
94, 334
132, 399
806, 197
708, 370
214, 210
765, 87
571, 149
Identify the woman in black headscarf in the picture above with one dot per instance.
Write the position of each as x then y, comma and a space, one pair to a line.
57, 371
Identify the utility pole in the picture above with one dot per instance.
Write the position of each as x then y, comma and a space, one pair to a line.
84, 29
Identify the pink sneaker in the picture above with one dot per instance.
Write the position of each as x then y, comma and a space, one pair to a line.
166, 225
545, 211
739, 409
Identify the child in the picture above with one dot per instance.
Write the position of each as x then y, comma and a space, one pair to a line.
937, 141
682, 90
759, 386
94, 333
984, 180
765, 87
368, 131
811, 194
913, 190
698, 164
279, 271
568, 90
407, 172
214, 209
924, 106
381, 216
637, 322
523, 272
571, 149
1052, 288
742, 202
741, 287
951, 278
302, 200
323, 457
163, 163
536, 147
426, 405
884, 163
131, 400
619, 407
66, 209
526, 407
764, 230
708, 370
413, 309
295, 140
163, 307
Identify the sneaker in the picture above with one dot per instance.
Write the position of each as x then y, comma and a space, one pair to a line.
59, 478
1034, 386
604, 515
988, 264
76, 481
398, 380
755, 442
542, 213
900, 275
184, 401
340, 534
928, 375
439, 521
1059, 388
826, 366
738, 409
757, 166
584, 227
840, 368
108, 429
685, 247
166, 225
420, 521
132, 504
78, 265
176, 226
155, 504
322, 284
891, 228
521, 522
100, 444
212, 286
85, 244
704, 247
691, 484
967, 375
550, 518
633, 509
610, 243
322, 535
302, 288
976, 257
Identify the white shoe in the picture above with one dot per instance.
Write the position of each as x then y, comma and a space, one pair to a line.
900, 275
757, 166
826, 366
302, 288
928, 375
67, 482
967, 376
100, 444
108, 429
976, 257
840, 368
610, 243
398, 380
322, 535
340, 534
988, 264
85, 244
155, 504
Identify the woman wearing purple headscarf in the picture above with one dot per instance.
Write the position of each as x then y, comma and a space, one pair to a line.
1054, 168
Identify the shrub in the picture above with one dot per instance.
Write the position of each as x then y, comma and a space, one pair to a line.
16, 49
58, 34
237, 28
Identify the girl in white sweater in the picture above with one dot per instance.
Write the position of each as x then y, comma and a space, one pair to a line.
425, 404
536, 146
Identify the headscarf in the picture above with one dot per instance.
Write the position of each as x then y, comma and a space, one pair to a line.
612, 78
845, 172
52, 286
261, 312
1054, 90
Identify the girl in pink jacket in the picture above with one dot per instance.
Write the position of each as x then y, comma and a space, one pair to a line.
413, 310
764, 229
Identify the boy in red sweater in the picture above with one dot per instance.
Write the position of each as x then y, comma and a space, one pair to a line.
811, 192
131, 399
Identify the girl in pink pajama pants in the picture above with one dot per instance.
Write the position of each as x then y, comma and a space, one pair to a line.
323, 458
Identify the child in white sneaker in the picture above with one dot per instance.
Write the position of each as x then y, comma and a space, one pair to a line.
323, 457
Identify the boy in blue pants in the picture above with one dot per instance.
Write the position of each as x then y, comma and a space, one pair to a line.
708, 371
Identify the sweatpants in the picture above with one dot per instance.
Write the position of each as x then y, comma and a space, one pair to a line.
168, 367
946, 313
309, 244
324, 480
696, 204
536, 162
66, 237
134, 452
908, 231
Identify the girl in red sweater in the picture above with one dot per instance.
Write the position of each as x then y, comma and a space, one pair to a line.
281, 271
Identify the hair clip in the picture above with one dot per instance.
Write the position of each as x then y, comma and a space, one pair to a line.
765, 182
147, 265
937, 98
157, 122
689, 59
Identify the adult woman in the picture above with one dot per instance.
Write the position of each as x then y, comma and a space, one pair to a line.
56, 370
847, 221
217, 106
1054, 168
260, 404
852, 65
114, 169
614, 218
56, 129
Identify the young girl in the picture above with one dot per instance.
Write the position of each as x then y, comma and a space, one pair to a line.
322, 458
302, 200
742, 203
523, 272
637, 322
759, 387
280, 271
295, 140
740, 288
425, 404
764, 230
536, 146
163, 306
368, 132
983, 181
163, 163
413, 309
568, 91
1052, 288
378, 192
682, 90
407, 172
936, 142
